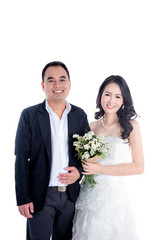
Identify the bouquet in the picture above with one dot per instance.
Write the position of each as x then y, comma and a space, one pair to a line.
90, 147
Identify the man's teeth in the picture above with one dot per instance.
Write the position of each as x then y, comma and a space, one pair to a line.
58, 91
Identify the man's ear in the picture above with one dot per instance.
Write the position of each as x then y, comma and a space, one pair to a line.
42, 84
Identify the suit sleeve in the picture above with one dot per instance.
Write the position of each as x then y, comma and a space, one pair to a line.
22, 162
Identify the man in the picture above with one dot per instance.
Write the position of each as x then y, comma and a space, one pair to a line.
47, 171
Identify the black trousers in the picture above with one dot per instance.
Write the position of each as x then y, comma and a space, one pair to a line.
55, 220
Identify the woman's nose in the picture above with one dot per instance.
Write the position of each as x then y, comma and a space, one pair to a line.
111, 99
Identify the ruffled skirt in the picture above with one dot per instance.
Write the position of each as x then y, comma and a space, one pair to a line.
104, 212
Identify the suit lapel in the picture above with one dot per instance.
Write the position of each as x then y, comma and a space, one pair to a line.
70, 132
70, 118
44, 124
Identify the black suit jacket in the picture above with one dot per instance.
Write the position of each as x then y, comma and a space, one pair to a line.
33, 153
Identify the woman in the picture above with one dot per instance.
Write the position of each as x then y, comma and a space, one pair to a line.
104, 212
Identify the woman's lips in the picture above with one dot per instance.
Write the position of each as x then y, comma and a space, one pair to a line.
110, 107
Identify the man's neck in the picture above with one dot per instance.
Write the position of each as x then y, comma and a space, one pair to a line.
58, 107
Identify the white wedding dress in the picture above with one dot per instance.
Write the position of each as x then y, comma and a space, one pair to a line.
105, 212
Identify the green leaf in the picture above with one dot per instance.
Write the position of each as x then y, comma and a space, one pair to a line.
102, 155
89, 180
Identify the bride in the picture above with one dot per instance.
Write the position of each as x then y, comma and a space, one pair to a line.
104, 212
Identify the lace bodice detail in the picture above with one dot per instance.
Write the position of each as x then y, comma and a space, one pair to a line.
119, 151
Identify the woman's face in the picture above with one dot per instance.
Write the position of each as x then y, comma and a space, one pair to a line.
112, 98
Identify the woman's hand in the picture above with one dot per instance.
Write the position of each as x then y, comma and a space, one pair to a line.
92, 168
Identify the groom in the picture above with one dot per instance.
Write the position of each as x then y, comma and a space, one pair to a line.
47, 171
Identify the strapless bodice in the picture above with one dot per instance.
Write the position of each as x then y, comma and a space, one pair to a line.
119, 151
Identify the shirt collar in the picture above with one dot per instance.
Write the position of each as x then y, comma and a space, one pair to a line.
49, 110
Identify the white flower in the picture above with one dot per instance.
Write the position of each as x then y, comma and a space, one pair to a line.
87, 146
76, 136
77, 144
89, 135
94, 146
86, 155
92, 152
100, 137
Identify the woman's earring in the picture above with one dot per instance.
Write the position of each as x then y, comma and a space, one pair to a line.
122, 106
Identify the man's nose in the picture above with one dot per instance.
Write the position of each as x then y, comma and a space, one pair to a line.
57, 84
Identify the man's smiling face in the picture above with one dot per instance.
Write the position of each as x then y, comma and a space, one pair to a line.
56, 84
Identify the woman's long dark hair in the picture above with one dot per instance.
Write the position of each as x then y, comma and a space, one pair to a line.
126, 112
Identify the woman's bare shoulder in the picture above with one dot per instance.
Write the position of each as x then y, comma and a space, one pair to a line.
93, 125
134, 124
136, 132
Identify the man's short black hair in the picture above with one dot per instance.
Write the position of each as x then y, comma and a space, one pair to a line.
55, 64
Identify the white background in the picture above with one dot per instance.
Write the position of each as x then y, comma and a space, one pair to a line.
94, 39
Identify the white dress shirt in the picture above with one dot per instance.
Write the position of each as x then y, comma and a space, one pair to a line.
59, 143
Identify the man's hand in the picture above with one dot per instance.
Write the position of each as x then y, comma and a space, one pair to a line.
70, 177
26, 209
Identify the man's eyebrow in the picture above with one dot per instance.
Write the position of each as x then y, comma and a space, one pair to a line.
53, 77
63, 77
50, 78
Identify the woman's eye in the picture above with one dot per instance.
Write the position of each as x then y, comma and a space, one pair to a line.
118, 97
107, 94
